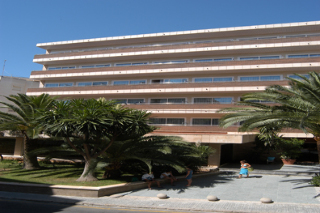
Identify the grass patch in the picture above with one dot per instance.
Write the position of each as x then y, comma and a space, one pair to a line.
60, 174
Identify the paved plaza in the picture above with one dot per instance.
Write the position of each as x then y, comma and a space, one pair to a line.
281, 188
290, 193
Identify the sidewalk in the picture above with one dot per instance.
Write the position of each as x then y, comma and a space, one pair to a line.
289, 193
171, 203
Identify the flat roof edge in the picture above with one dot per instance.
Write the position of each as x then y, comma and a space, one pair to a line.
269, 26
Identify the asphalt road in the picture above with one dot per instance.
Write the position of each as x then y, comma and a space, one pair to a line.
17, 206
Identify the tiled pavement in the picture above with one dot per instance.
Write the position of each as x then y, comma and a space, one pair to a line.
290, 193
289, 189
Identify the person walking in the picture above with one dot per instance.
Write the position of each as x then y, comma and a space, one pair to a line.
189, 176
244, 168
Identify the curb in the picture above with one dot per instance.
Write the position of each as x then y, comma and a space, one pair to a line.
82, 191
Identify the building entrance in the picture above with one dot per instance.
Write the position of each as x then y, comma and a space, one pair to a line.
226, 153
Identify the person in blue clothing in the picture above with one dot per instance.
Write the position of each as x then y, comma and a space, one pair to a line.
189, 176
244, 168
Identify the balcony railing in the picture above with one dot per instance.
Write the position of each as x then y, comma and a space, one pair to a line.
164, 83
184, 43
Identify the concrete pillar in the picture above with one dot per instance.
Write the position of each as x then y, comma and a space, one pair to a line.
214, 159
18, 148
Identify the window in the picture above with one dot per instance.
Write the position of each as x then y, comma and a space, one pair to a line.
202, 80
248, 58
163, 121
121, 101
269, 57
179, 61
59, 68
158, 101
252, 78
295, 36
100, 83
261, 78
58, 85
314, 55
135, 101
65, 84
137, 82
170, 62
157, 81
201, 121
84, 84
52, 85
176, 81
227, 100
175, 121
103, 65
87, 66
270, 37
224, 100
139, 63
157, 120
176, 100
270, 78
298, 56
223, 59
203, 60
66, 68
120, 82
169, 100
215, 122
123, 65
202, 100
93, 65
222, 79
298, 77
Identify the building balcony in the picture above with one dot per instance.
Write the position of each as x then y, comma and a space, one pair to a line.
118, 91
193, 68
183, 52
182, 45
218, 33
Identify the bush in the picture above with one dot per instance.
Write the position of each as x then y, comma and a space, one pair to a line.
315, 180
289, 148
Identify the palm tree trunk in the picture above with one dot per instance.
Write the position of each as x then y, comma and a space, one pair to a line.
30, 162
89, 169
317, 138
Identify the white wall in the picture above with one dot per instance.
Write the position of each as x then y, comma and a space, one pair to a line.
13, 86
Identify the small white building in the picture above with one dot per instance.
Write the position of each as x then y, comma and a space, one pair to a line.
12, 86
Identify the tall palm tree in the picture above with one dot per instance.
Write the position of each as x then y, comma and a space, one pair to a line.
91, 126
296, 106
24, 121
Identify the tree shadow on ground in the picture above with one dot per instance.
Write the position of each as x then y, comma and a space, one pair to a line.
304, 181
208, 181
30, 205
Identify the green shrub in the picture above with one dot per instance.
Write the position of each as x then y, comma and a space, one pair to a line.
315, 181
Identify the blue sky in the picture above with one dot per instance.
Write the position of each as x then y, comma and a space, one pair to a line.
24, 23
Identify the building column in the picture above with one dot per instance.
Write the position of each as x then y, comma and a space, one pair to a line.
18, 148
214, 158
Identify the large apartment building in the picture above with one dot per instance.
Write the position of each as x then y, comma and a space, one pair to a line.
183, 78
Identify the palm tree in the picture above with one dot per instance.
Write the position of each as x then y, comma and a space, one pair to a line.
91, 126
297, 106
24, 121
147, 150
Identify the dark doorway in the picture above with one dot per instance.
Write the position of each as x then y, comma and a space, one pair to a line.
226, 153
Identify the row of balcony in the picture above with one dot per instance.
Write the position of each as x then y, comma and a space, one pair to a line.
190, 65
183, 45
